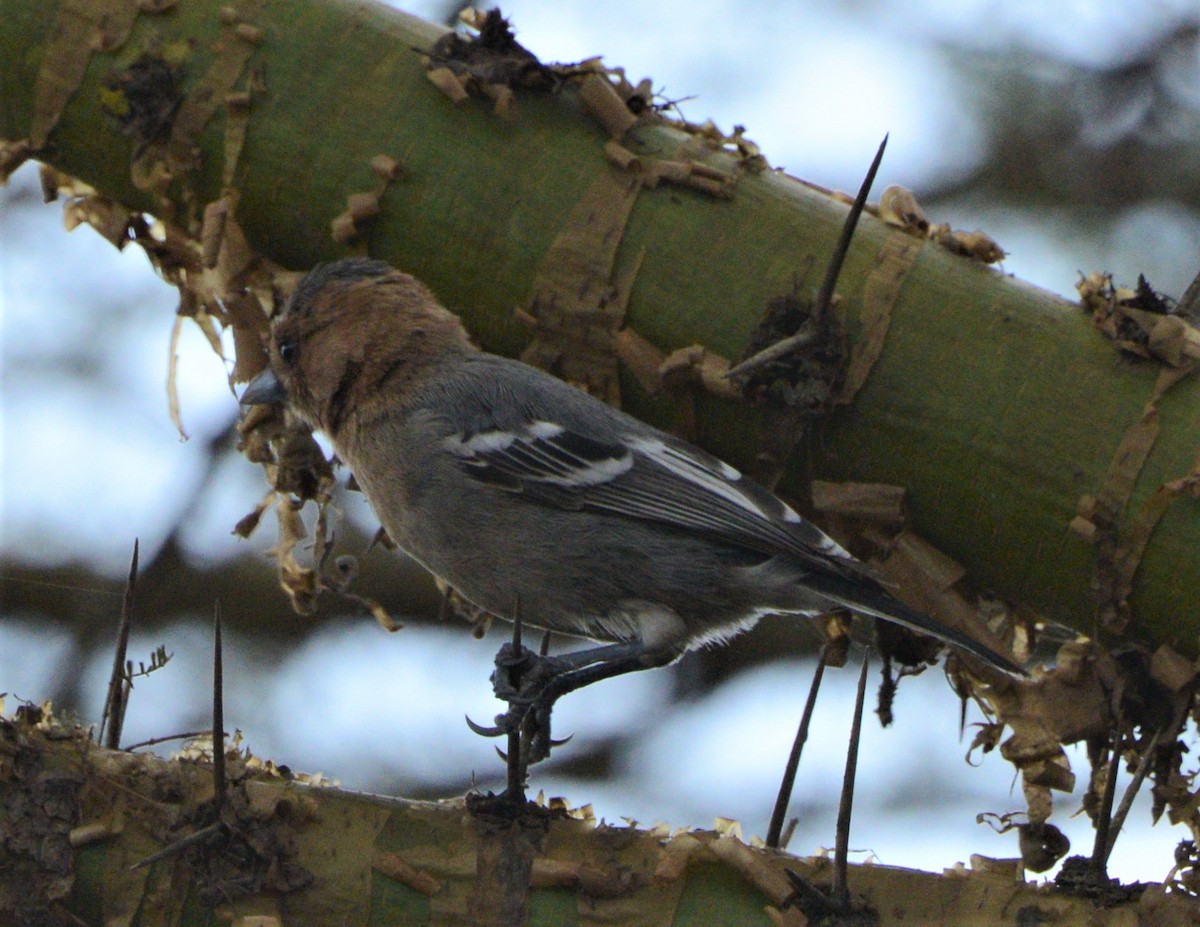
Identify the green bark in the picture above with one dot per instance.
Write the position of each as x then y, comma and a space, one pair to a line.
75, 819
996, 404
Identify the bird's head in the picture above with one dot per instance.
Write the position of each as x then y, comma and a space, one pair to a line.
350, 329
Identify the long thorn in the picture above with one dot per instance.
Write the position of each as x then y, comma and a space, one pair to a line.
785, 838
218, 712
515, 786
174, 849
1170, 731
841, 888
825, 294
773, 352
1139, 776
153, 741
1100, 849
775, 830
123, 701
803, 890
113, 717
515, 765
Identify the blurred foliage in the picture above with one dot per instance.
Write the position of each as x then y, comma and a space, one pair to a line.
1068, 136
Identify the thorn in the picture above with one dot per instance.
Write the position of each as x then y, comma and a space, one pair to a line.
562, 741
377, 538
1101, 848
774, 352
825, 294
188, 735
840, 892
514, 757
1139, 776
116, 701
788, 831
1170, 731
218, 712
804, 891
1189, 302
500, 753
544, 649
774, 832
484, 731
327, 551
444, 605
203, 835
515, 788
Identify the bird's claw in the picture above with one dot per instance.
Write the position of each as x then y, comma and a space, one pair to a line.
553, 742
536, 742
483, 731
521, 678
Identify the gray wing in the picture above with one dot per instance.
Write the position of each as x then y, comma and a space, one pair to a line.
644, 475
527, 433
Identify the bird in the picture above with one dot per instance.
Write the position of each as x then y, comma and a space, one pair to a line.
534, 500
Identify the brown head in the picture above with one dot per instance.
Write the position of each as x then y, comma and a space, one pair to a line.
353, 333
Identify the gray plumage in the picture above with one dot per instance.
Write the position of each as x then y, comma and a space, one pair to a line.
521, 491
607, 528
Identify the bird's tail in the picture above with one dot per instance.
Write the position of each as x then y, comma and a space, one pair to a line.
862, 596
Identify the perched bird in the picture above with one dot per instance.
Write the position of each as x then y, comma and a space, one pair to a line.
526, 494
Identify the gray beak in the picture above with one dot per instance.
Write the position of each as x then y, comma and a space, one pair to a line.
263, 390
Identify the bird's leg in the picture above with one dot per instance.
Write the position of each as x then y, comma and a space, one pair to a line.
562, 674
532, 682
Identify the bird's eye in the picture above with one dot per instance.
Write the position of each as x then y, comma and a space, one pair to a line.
288, 352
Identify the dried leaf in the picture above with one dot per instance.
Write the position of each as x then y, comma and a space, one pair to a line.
899, 207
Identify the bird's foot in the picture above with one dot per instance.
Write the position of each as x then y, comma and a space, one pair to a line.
524, 679
531, 683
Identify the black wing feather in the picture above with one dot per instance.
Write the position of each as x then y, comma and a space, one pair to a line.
651, 479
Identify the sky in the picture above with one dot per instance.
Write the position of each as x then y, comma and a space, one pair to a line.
89, 458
